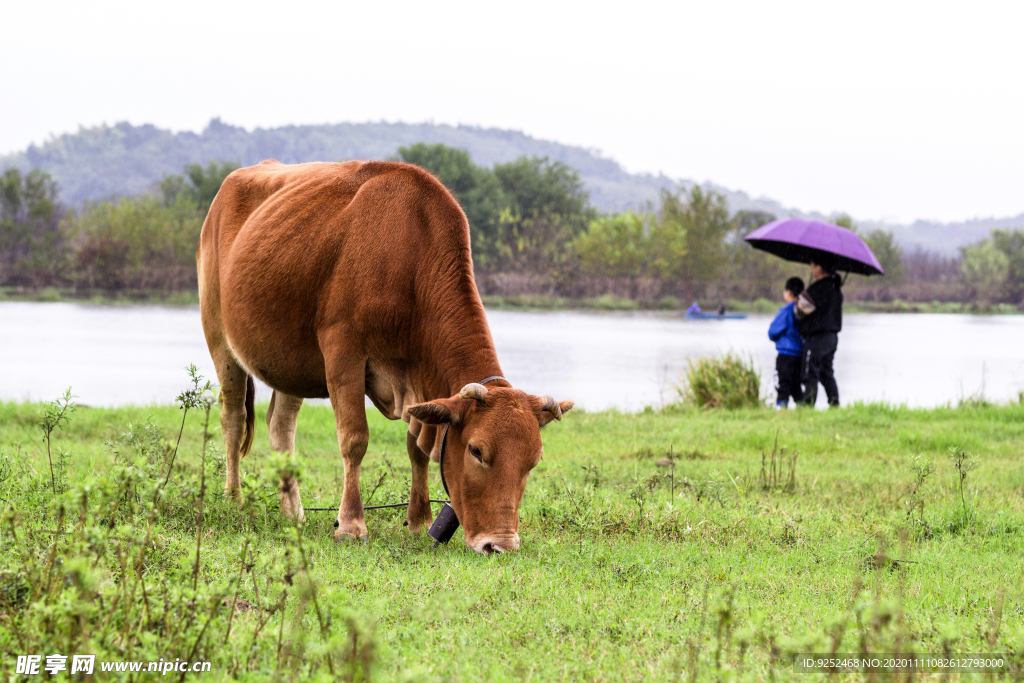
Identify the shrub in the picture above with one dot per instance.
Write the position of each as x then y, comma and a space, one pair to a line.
610, 302
616, 245
137, 242
670, 303
985, 269
33, 250
726, 382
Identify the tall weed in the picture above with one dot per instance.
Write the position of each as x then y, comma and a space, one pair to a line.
117, 565
725, 382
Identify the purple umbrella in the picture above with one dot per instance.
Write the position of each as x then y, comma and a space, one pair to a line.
803, 240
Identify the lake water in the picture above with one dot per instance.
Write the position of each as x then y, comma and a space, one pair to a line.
113, 355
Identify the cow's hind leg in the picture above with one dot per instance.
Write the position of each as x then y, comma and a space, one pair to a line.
282, 415
419, 513
236, 415
346, 382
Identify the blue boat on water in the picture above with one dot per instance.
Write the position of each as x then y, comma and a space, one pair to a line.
715, 316
694, 313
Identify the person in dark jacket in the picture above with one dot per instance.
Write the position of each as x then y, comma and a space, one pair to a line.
819, 312
783, 331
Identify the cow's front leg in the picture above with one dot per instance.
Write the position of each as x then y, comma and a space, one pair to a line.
346, 387
419, 513
282, 415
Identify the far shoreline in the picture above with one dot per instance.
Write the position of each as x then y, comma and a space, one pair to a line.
523, 302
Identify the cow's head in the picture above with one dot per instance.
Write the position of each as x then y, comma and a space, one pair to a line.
493, 442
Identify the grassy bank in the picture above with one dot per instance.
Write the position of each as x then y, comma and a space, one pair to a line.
80, 296
764, 306
524, 302
720, 567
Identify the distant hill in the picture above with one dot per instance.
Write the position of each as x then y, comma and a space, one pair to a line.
123, 159
945, 238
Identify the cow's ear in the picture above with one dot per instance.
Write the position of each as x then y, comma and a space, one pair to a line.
552, 410
439, 412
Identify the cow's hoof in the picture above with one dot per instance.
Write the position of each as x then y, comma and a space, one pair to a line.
417, 527
351, 532
347, 538
288, 510
233, 494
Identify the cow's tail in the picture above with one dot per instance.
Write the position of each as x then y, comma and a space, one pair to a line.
250, 415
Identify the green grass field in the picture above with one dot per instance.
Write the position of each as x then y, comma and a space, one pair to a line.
718, 568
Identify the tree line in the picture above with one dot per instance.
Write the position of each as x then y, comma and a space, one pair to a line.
142, 242
533, 231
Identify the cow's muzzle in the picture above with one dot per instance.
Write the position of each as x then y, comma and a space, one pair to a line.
485, 545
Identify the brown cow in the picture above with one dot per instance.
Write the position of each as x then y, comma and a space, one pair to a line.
344, 280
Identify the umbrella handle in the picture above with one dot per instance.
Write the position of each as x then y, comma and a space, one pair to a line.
844, 278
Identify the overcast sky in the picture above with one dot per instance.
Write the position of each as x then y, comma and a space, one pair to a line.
885, 110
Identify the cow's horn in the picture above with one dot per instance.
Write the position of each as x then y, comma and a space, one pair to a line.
477, 392
551, 405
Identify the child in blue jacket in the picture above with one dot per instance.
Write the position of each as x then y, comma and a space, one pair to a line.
784, 332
